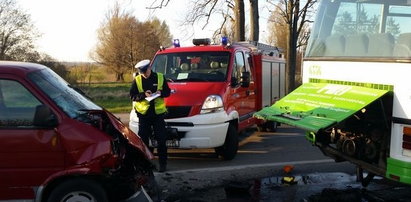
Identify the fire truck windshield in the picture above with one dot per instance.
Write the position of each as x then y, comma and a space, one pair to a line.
193, 66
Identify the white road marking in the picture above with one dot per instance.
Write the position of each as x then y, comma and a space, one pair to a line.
255, 166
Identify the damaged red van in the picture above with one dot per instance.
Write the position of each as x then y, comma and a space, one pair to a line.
57, 145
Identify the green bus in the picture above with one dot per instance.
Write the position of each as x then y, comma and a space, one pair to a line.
355, 100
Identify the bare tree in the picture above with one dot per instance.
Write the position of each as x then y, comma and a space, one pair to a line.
239, 34
17, 33
123, 41
159, 4
115, 47
278, 32
254, 18
295, 19
162, 31
232, 16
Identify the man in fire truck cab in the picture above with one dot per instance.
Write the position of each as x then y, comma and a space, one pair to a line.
148, 91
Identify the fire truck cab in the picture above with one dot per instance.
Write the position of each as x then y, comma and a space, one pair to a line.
215, 91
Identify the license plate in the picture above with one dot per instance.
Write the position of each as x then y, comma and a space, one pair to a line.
169, 143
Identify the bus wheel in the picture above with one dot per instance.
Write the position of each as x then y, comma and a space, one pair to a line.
78, 190
230, 147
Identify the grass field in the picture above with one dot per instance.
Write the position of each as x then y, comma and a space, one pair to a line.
112, 96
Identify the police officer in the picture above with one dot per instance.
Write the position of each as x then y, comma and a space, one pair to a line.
151, 112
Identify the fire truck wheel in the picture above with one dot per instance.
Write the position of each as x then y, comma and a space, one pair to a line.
271, 126
230, 147
261, 128
78, 190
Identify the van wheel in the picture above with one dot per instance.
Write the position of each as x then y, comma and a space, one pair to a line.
78, 190
230, 147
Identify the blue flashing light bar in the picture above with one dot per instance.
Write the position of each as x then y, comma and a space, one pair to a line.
176, 43
224, 40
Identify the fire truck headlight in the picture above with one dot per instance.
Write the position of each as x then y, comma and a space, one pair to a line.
213, 103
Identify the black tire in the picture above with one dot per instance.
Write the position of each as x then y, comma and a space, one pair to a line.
229, 150
78, 190
271, 126
261, 128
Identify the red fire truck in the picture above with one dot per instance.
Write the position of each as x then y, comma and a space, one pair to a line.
215, 91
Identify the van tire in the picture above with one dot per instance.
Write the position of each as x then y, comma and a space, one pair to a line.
80, 189
229, 150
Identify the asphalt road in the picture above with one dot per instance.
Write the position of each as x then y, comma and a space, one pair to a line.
256, 173
257, 149
260, 155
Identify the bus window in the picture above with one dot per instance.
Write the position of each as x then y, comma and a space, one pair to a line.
353, 18
362, 29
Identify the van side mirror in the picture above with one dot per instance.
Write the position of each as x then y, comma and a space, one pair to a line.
245, 79
44, 117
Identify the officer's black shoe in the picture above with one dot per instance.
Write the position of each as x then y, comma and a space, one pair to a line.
163, 168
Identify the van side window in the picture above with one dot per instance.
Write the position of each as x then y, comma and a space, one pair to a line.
17, 105
239, 66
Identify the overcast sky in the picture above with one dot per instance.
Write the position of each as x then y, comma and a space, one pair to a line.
68, 27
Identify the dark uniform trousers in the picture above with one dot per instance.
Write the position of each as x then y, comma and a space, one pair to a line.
154, 123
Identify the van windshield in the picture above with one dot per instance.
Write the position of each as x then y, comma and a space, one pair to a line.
193, 66
61, 93
362, 29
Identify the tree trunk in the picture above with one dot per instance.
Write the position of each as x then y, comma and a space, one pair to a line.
254, 17
292, 43
120, 76
239, 33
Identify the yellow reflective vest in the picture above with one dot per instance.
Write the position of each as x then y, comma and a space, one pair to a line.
143, 105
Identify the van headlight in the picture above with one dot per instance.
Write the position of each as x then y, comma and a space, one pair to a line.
213, 103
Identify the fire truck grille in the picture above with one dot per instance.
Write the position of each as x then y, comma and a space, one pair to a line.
177, 112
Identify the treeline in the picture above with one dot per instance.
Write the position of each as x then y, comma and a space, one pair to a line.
122, 41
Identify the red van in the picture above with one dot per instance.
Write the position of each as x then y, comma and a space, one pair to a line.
57, 145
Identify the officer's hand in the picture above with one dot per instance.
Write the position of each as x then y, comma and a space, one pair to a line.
148, 93
158, 92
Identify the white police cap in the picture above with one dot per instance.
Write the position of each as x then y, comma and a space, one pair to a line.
143, 65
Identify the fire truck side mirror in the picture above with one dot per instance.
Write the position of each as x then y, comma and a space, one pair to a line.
245, 79
234, 81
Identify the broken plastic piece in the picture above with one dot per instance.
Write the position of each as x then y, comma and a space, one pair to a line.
288, 168
288, 180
